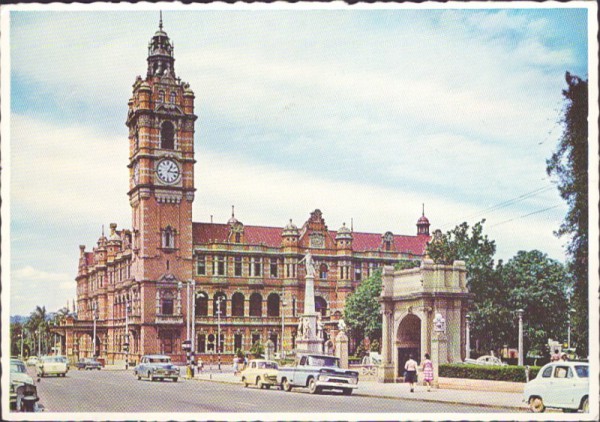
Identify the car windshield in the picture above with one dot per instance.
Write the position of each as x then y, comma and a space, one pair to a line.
267, 365
18, 367
323, 361
160, 360
50, 359
582, 371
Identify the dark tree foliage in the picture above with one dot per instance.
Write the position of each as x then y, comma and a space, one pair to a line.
569, 165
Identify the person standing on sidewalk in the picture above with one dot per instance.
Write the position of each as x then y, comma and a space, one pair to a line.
410, 374
427, 367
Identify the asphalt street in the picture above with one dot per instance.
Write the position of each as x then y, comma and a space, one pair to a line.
119, 391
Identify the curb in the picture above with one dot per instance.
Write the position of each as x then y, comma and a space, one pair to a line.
427, 400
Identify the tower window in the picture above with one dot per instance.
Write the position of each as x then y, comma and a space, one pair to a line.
219, 265
237, 268
167, 136
323, 271
172, 97
161, 96
168, 238
238, 238
273, 267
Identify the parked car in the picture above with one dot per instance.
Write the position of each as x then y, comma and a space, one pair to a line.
156, 367
486, 360
51, 365
88, 363
32, 361
65, 360
317, 372
563, 385
23, 392
260, 372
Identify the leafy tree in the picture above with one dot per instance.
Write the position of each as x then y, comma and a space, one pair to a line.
489, 318
569, 164
362, 310
537, 284
37, 325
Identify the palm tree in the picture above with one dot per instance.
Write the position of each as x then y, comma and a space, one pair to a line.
37, 324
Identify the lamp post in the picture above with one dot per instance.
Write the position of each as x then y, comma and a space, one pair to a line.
39, 336
520, 314
468, 336
282, 323
126, 345
219, 300
193, 306
571, 310
95, 316
186, 343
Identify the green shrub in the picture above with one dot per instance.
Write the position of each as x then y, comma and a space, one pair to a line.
491, 373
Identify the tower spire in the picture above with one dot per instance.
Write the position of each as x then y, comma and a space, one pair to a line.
232, 211
423, 210
160, 24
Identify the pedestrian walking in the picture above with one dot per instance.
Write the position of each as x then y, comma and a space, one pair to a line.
200, 365
236, 364
427, 367
410, 372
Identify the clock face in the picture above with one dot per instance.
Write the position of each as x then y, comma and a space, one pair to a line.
168, 171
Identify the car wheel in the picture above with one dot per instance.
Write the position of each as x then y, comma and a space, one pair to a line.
244, 382
286, 385
347, 391
585, 407
174, 379
536, 405
139, 377
267, 386
149, 376
312, 386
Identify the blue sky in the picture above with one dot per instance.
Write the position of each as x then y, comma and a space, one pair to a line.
365, 114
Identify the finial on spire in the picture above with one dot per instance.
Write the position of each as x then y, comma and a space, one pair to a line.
423, 210
160, 25
103, 230
232, 211
352, 224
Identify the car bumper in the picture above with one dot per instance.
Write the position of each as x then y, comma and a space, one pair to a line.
333, 384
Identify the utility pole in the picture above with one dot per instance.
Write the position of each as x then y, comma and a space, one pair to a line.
520, 314
94, 309
219, 299
127, 334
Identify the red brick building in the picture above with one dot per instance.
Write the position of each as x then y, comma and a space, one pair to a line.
140, 277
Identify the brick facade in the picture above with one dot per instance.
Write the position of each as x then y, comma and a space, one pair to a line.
150, 267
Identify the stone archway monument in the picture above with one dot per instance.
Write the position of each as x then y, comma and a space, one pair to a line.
410, 300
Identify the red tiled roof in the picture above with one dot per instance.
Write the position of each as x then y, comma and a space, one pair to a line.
271, 236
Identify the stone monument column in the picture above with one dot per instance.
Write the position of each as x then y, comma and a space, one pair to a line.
341, 348
439, 347
309, 341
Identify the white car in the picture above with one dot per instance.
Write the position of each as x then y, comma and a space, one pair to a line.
486, 360
563, 385
52, 365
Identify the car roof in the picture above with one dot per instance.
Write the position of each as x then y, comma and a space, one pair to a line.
15, 360
568, 363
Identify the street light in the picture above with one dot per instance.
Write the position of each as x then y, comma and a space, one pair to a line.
283, 304
21, 335
39, 336
95, 316
219, 300
520, 314
571, 310
126, 345
468, 335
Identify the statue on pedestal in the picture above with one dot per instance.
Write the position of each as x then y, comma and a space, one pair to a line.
308, 263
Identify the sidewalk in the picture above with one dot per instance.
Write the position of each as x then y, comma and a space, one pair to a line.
503, 400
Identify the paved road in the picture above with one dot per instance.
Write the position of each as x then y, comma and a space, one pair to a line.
120, 391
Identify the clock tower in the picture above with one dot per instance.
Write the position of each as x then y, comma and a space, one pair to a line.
161, 162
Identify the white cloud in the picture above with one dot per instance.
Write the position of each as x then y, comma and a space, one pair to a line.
30, 287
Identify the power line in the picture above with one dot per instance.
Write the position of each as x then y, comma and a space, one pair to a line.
506, 203
526, 215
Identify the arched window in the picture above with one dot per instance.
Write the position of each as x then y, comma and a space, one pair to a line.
256, 305
167, 136
320, 305
273, 305
161, 96
237, 304
323, 271
222, 299
168, 238
202, 304
172, 97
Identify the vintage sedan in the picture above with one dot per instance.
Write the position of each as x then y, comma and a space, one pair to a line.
23, 392
562, 385
32, 361
156, 367
51, 365
88, 363
486, 360
260, 372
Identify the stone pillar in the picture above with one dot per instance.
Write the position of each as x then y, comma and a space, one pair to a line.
341, 349
385, 371
308, 341
439, 354
309, 295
